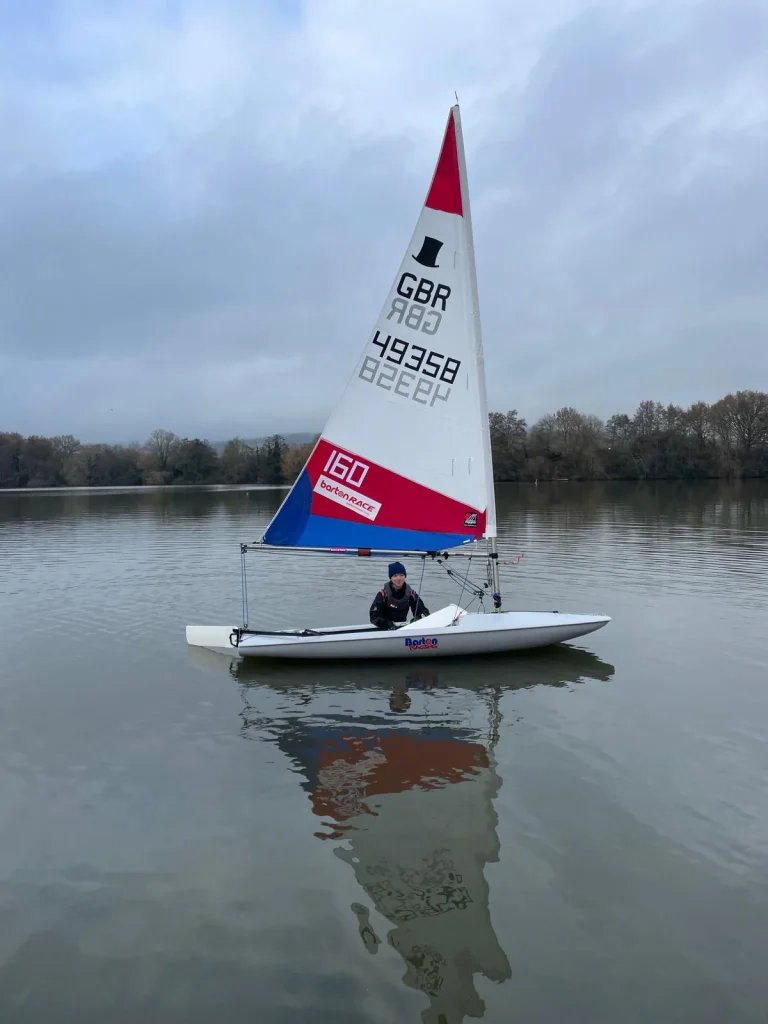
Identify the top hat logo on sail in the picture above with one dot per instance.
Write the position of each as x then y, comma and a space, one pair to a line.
427, 256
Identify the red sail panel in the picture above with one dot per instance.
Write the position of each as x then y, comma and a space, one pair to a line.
345, 487
445, 190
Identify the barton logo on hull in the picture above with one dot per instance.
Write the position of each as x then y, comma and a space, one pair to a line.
421, 643
470, 519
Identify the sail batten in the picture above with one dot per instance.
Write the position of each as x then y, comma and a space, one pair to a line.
403, 460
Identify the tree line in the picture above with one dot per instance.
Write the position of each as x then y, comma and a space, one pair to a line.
726, 439
165, 458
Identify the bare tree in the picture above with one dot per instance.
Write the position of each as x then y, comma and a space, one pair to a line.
618, 430
568, 422
543, 432
160, 445
592, 430
747, 414
65, 445
698, 421
507, 428
721, 418
648, 418
672, 418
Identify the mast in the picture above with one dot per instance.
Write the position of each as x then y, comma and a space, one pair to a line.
476, 332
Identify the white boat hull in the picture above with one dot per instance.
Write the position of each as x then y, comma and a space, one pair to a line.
440, 635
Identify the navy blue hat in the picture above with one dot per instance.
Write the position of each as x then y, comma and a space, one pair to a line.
395, 567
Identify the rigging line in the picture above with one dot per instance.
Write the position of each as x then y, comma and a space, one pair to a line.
476, 589
466, 580
423, 565
244, 587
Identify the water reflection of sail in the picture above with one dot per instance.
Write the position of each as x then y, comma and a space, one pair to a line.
415, 809
411, 807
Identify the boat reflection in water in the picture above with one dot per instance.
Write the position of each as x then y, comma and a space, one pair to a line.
410, 800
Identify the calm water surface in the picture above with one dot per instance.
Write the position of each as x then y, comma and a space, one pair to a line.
579, 834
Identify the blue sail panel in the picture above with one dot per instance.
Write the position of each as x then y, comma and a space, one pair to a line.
296, 526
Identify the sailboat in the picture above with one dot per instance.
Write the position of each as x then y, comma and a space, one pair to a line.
403, 465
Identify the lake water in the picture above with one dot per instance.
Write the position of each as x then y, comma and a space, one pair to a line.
577, 834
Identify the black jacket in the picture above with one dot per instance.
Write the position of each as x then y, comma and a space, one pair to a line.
391, 606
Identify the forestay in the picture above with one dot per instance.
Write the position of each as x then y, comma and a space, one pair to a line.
404, 460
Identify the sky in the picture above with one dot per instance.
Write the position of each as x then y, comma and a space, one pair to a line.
203, 205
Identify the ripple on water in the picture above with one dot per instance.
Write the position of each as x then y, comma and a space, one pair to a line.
583, 827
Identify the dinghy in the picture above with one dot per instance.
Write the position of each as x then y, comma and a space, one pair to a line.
403, 465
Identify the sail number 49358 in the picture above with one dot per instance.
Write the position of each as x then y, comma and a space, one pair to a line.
421, 376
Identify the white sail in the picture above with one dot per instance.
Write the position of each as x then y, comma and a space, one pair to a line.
404, 460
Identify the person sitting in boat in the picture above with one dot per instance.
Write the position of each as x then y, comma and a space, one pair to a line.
391, 605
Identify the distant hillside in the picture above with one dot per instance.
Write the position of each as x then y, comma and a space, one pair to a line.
256, 441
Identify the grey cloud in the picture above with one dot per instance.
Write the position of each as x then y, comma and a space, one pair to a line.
265, 260
635, 241
105, 261
621, 257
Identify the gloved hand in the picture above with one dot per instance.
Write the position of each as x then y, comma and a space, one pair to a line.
393, 625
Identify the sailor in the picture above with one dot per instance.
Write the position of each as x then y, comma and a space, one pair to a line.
391, 604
